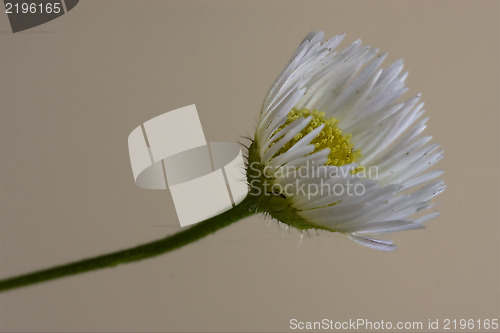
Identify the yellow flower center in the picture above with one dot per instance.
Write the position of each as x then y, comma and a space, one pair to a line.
342, 150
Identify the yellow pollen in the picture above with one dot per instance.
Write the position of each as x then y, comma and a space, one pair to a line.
342, 150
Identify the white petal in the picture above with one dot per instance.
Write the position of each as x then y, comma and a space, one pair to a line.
376, 244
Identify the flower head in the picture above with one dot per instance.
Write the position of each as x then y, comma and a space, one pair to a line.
335, 150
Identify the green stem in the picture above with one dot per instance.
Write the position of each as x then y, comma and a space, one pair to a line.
148, 250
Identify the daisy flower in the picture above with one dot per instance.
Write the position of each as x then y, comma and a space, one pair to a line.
335, 149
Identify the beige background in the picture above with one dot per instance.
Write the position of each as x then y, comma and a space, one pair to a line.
73, 89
